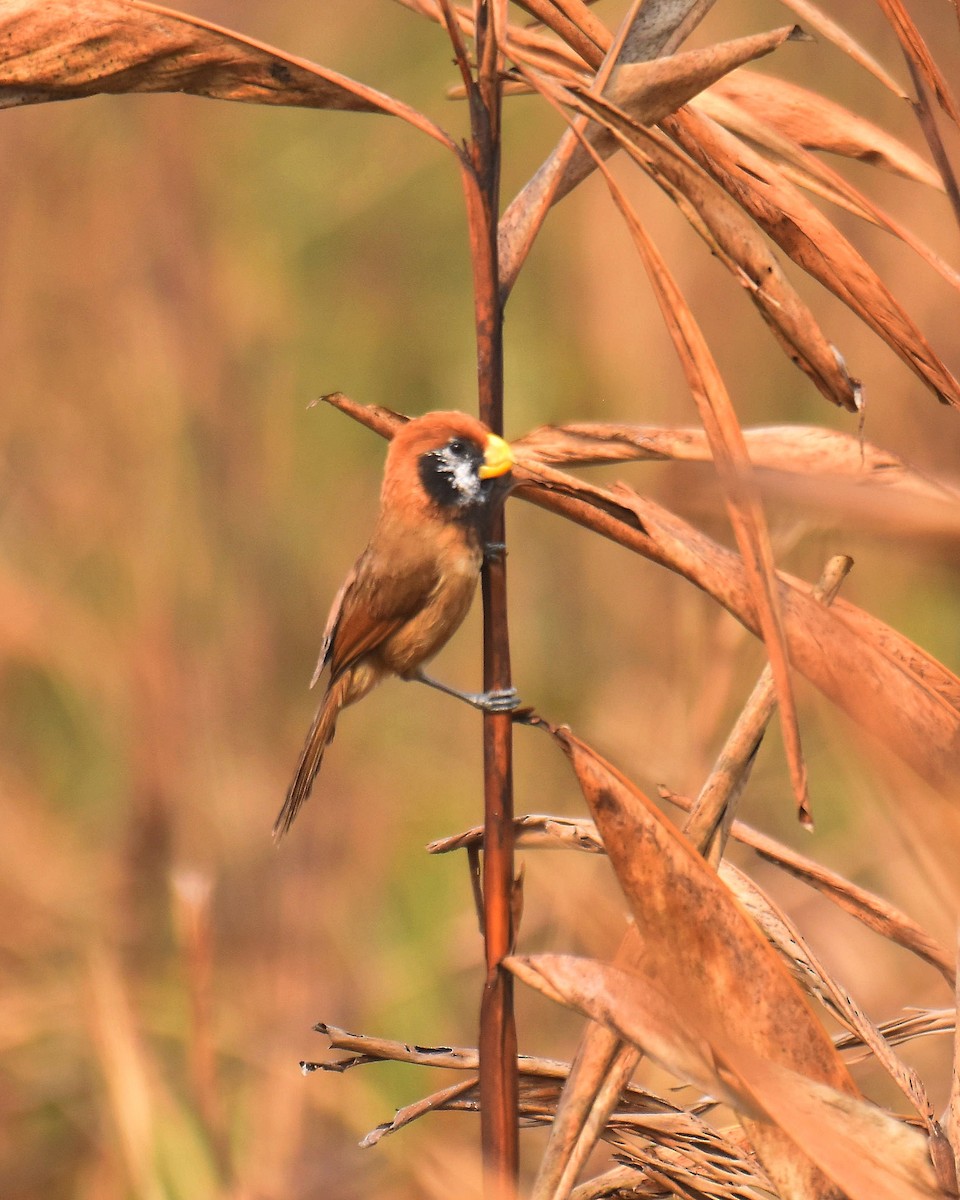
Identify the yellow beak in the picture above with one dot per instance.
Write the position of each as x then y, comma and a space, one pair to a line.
497, 458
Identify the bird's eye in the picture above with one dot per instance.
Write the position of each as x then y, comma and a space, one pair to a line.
458, 446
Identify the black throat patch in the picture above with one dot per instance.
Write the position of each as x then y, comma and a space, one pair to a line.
451, 475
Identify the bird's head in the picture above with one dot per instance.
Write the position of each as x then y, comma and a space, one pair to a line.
460, 465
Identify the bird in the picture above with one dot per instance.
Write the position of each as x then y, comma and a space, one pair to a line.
445, 475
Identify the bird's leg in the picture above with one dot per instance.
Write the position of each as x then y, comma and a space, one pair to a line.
499, 701
494, 551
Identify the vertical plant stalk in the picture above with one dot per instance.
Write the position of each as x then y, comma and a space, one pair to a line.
499, 1094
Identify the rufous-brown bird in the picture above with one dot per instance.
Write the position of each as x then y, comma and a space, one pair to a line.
412, 586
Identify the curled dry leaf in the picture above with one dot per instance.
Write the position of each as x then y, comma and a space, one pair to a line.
649, 91
805, 169
66, 49
810, 240
697, 944
817, 123
633, 1006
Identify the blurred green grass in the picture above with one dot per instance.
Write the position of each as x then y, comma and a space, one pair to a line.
178, 281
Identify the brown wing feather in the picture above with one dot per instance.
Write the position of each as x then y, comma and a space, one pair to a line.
368, 609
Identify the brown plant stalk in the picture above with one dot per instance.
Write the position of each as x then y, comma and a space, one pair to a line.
499, 1095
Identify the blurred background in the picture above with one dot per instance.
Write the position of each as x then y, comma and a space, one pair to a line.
178, 280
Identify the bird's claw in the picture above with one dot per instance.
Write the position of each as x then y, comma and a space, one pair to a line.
494, 551
501, 700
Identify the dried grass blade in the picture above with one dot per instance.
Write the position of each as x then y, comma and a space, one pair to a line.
810, 240
800, 167
817, 123
814, 17
64, 51
733, 467
585, 36
808, 450
660, 26
923, 1023
868, 1153
657, 87
870, 909
917, 53
818, 982
466, 1089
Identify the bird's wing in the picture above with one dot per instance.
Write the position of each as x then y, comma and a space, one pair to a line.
367, 610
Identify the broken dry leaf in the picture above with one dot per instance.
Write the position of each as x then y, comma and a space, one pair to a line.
66, 49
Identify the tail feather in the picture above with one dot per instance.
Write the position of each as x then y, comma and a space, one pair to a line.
320, 736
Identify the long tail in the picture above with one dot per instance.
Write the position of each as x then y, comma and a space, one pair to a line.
320, 736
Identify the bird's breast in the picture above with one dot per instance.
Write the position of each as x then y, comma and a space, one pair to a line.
441, 614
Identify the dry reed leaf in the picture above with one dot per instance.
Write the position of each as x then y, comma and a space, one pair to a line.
645, 85
871, 910
660, 26
920, 1023
820, 469
799, 166
810, 240
804, 449
887, 685
815, 18
735, 240
740, 494
633, 1006
651, 90
816, 123
709, 960
813, 976
695, 938
66, 49
918, 53
572, 21
868, 1153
